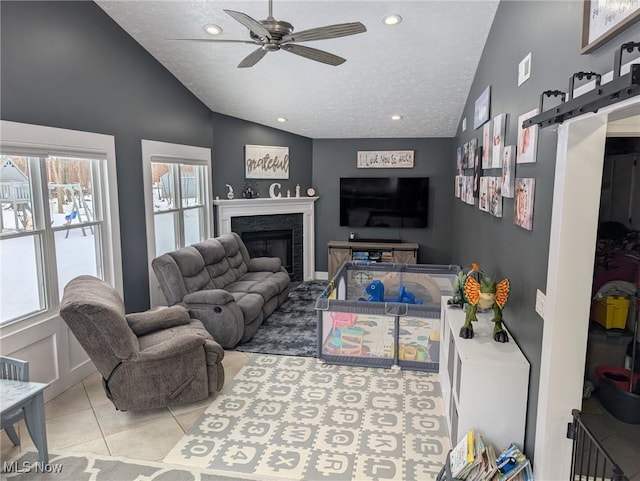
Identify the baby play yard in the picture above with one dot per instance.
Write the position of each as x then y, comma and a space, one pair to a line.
384, 315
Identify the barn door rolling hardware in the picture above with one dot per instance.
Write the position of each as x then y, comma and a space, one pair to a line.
621, 87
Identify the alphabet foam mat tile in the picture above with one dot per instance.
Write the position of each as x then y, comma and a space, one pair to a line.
294, 418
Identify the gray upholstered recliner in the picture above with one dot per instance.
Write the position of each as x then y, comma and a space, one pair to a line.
222, 286
147, 360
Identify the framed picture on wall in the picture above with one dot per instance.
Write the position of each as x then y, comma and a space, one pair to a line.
603, 19
477, 170
495, 196
486, 146
499, 131
266, 162
523, 205
527, 139
508, 170
482, 107
385, 159
483, 202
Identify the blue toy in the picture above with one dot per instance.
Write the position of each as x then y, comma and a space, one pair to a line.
376, 294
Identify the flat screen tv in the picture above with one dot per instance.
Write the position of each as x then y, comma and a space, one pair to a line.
384, 202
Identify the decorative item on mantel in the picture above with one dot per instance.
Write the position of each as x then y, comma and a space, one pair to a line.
230, 194
250, 191
272, 190
297, 190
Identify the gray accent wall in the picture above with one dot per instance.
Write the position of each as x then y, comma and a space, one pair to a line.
231, 134
335, 158
68, 65
552, 32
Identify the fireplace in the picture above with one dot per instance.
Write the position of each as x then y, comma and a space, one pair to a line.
272, 243
278, 235
295, 213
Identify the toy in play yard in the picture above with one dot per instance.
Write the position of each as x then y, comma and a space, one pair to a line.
340, 320
376, 294
485, 294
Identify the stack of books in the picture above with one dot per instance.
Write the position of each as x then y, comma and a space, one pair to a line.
513, 465
475, 460
387, 256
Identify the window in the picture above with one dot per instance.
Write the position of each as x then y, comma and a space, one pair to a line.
56, 222
177, 198
179, 207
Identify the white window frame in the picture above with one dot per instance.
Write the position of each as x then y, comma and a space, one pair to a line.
36, 140
155, 151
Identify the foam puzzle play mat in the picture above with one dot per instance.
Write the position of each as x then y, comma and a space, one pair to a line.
384, 315
294, 418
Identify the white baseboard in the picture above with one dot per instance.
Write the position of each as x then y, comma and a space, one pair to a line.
322, 276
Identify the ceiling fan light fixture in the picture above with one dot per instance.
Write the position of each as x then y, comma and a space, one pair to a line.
212, 29
396, 117
392, 19
282, 119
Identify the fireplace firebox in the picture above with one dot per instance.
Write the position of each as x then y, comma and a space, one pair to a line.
277, 235
272, 243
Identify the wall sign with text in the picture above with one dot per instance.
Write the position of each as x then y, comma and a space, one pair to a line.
385, 159
266, 162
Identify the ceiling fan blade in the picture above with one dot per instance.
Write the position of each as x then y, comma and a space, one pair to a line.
252, 24
253, 58
314, 54
322, 33
217, 40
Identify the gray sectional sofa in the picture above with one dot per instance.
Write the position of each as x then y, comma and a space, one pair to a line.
229, 292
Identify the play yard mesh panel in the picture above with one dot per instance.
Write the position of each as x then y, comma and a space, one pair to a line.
384, 315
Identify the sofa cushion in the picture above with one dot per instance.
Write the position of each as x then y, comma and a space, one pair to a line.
216, 262
265, 288
192, 268
280, 279
250, 304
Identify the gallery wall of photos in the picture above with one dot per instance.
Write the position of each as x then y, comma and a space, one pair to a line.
486, 168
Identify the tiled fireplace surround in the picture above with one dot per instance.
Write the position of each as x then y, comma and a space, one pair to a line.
266, 214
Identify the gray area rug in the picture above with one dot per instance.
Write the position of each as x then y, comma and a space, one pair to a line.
295, 418
292, 329
79, 467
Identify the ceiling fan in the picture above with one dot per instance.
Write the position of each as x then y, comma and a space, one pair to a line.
272, 35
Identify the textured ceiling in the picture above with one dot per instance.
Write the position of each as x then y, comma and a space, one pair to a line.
421, 69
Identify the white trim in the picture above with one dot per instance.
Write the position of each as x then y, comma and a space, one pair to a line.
154, 151
52, 140
44, 339
227, 209
574, 219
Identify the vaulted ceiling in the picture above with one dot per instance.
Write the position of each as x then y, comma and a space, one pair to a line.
420, 69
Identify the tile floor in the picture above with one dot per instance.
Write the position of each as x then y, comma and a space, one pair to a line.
82, 419
620, 440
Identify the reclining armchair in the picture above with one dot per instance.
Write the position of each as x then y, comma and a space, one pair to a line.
147, 360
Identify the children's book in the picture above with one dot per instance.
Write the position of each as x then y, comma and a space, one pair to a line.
513, 465
462, 455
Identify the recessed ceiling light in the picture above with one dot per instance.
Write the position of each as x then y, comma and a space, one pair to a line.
392, 19
281, 119
212, 29
396, 117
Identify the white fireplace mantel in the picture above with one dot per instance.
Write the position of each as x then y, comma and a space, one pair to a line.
228, 209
